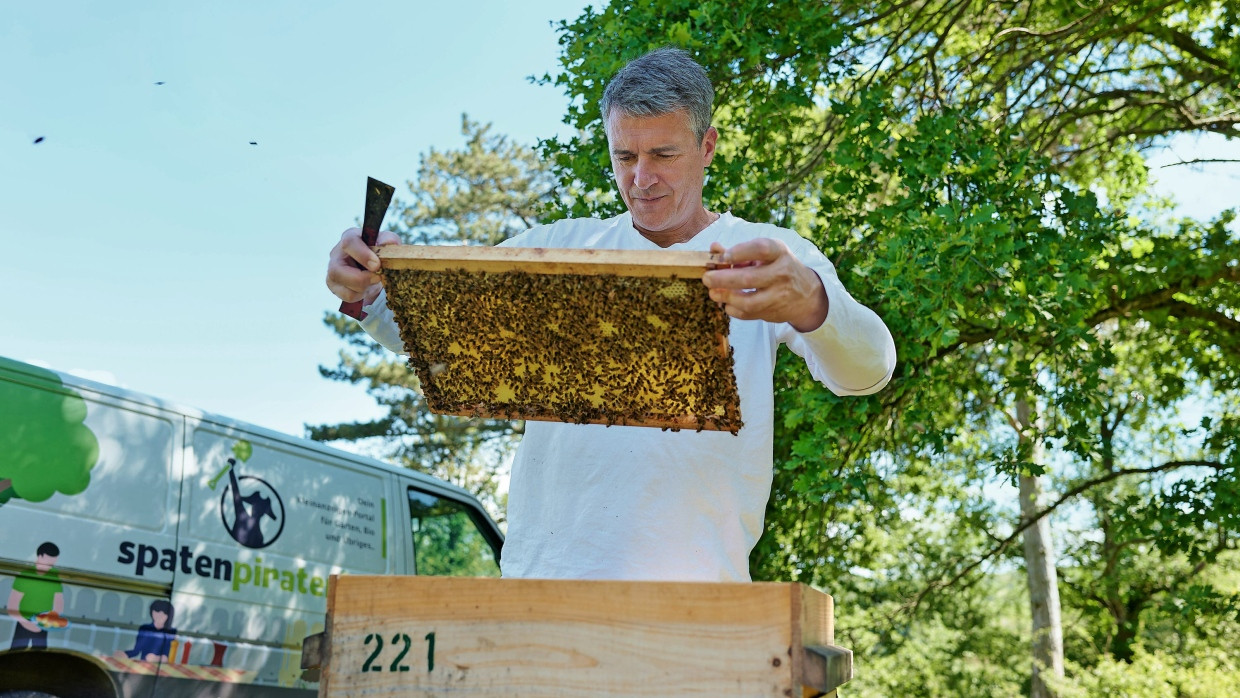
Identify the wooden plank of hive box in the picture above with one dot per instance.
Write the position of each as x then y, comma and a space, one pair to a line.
440, 636
616, 337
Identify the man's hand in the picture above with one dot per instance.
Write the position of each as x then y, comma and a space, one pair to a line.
352, 265
766, 282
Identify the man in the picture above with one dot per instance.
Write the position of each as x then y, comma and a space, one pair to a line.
35, 591
597, 502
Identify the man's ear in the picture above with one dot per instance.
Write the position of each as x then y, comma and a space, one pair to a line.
708, 145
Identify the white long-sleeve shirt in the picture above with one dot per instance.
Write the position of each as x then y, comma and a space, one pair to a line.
638, 503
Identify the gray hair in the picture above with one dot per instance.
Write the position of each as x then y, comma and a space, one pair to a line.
661, 82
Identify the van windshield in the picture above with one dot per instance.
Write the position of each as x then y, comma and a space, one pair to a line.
448, 538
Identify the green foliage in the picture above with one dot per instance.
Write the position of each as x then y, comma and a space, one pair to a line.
970, 645
1156, 673
447, 541
47, 448
1085, 86
451, 546
1153, 462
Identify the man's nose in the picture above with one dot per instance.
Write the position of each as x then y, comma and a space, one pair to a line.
644, 175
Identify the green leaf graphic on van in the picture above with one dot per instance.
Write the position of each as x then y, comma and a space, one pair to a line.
243, 450
47, 449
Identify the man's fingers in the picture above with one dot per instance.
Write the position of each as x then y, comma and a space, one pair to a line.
351, 265
357, 251
752, 264
744, 304
349, 283
759, 250
748, 276
387, 237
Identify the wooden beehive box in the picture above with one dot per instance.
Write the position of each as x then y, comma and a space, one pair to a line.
627, 337
450, 636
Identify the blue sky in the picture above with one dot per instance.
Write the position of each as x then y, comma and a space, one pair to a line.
149, 245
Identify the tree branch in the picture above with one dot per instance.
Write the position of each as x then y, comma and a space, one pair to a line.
1161, 298
940, 584
1198, 161
1185, 43
1227, 324
1195, 570
1067, 28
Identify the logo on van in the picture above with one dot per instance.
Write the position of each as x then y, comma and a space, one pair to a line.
247, 503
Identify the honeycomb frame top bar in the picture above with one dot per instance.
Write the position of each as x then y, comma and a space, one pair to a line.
541, 260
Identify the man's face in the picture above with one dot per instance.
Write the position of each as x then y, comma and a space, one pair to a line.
660, 168
44, 563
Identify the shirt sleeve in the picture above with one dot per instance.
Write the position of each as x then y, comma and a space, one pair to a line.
381, 326
852, 352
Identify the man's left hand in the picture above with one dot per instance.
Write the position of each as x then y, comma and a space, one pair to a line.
766, 282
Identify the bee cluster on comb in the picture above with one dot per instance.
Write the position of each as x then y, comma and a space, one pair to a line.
597, 348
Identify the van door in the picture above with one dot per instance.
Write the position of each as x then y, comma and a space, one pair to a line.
267, 521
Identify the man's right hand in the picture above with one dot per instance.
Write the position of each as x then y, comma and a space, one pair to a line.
352, 267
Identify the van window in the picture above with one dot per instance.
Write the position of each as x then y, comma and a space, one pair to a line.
448, 539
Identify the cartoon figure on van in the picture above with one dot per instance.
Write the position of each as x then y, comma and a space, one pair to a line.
248, 511
37, 596
154, 639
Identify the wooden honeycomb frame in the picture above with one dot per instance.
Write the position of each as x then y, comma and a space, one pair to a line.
623, 337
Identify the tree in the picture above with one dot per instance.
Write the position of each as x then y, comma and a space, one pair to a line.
47, 447
483, 193
948, 155
1173, 515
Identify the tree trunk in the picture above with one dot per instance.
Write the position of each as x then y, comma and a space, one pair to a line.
1127, 627
1040, 569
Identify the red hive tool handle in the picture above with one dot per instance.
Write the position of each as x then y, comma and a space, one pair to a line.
378, 196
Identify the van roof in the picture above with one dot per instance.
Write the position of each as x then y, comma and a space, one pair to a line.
18, 371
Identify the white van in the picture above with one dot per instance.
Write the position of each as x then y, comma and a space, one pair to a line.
152, 550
